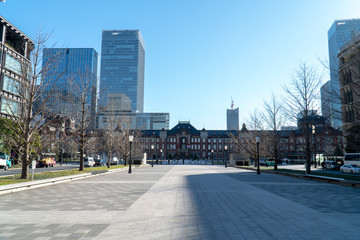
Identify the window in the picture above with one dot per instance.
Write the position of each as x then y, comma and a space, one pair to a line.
9, 107
13, 64
11, 85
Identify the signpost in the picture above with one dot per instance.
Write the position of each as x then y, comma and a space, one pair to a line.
33, 166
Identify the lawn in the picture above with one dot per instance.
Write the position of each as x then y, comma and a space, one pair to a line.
45, 175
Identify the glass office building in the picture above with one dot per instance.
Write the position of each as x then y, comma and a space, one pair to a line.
78, 66
122, 71
232, 119
15, 49
340, 33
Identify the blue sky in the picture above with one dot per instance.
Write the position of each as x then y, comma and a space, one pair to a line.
199, 53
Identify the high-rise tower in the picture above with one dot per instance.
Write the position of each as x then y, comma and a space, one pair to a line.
232, 118
122, 71
340, 33
78, 66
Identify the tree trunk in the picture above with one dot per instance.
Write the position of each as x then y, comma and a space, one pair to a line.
82, 150
24, 168
24, 161
109, 160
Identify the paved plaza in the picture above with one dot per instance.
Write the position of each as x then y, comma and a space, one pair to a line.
183, 202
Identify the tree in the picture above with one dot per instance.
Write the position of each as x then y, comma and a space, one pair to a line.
27, 121
5, 131
303, 98
83, 96
273, 118
245, 140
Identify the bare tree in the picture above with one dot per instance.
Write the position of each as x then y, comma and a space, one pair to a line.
245, 141
83, 96
27, 122
109, 135
273, 118
302, 98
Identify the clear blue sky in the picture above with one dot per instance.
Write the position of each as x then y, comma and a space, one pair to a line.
199, 53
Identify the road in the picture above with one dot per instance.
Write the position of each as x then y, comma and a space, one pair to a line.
15, 171
183, 202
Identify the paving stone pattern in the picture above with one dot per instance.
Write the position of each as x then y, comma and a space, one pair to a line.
324, 197
183, 202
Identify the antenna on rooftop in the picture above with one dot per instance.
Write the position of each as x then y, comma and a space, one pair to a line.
232, 103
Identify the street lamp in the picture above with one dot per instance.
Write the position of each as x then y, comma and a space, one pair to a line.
62, 130
152, 155
212, 156
131, 139
313, 133
225, 155
257, 151
161, 155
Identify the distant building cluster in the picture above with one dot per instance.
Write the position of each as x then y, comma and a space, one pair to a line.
118, 94
117, 89
340, 34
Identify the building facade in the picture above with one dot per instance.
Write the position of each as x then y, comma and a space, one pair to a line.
349, 76
138, 121
122, 71
152, 121
325, 139
186, 142
340, 33
15, 49
232, 119
69, 70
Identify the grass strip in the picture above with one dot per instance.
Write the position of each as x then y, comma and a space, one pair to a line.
47, 175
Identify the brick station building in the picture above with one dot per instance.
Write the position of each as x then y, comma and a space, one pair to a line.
186, 142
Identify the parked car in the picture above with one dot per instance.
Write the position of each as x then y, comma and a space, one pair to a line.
46, 162
5, 161
114, 161
350, 168
98, 162
332, 165
89, 162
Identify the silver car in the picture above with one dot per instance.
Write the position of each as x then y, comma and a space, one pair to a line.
350, 168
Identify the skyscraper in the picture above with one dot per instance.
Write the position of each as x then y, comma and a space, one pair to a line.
232, 118
340, 33
122, 71
66, 66
325, 100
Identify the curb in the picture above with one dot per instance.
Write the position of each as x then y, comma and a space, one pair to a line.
17, 187
338, 181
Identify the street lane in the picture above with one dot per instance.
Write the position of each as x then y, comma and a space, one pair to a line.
15, 171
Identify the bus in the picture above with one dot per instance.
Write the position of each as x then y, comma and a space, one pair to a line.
352, 158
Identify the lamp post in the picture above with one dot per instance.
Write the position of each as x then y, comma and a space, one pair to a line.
313, 133
62, 130
257, 152
161, 155
131, 139
152, 155
212, 156
225, 155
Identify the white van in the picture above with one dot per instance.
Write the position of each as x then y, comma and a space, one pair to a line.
89, 162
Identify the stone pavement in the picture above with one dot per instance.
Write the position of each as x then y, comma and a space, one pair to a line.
183, 202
